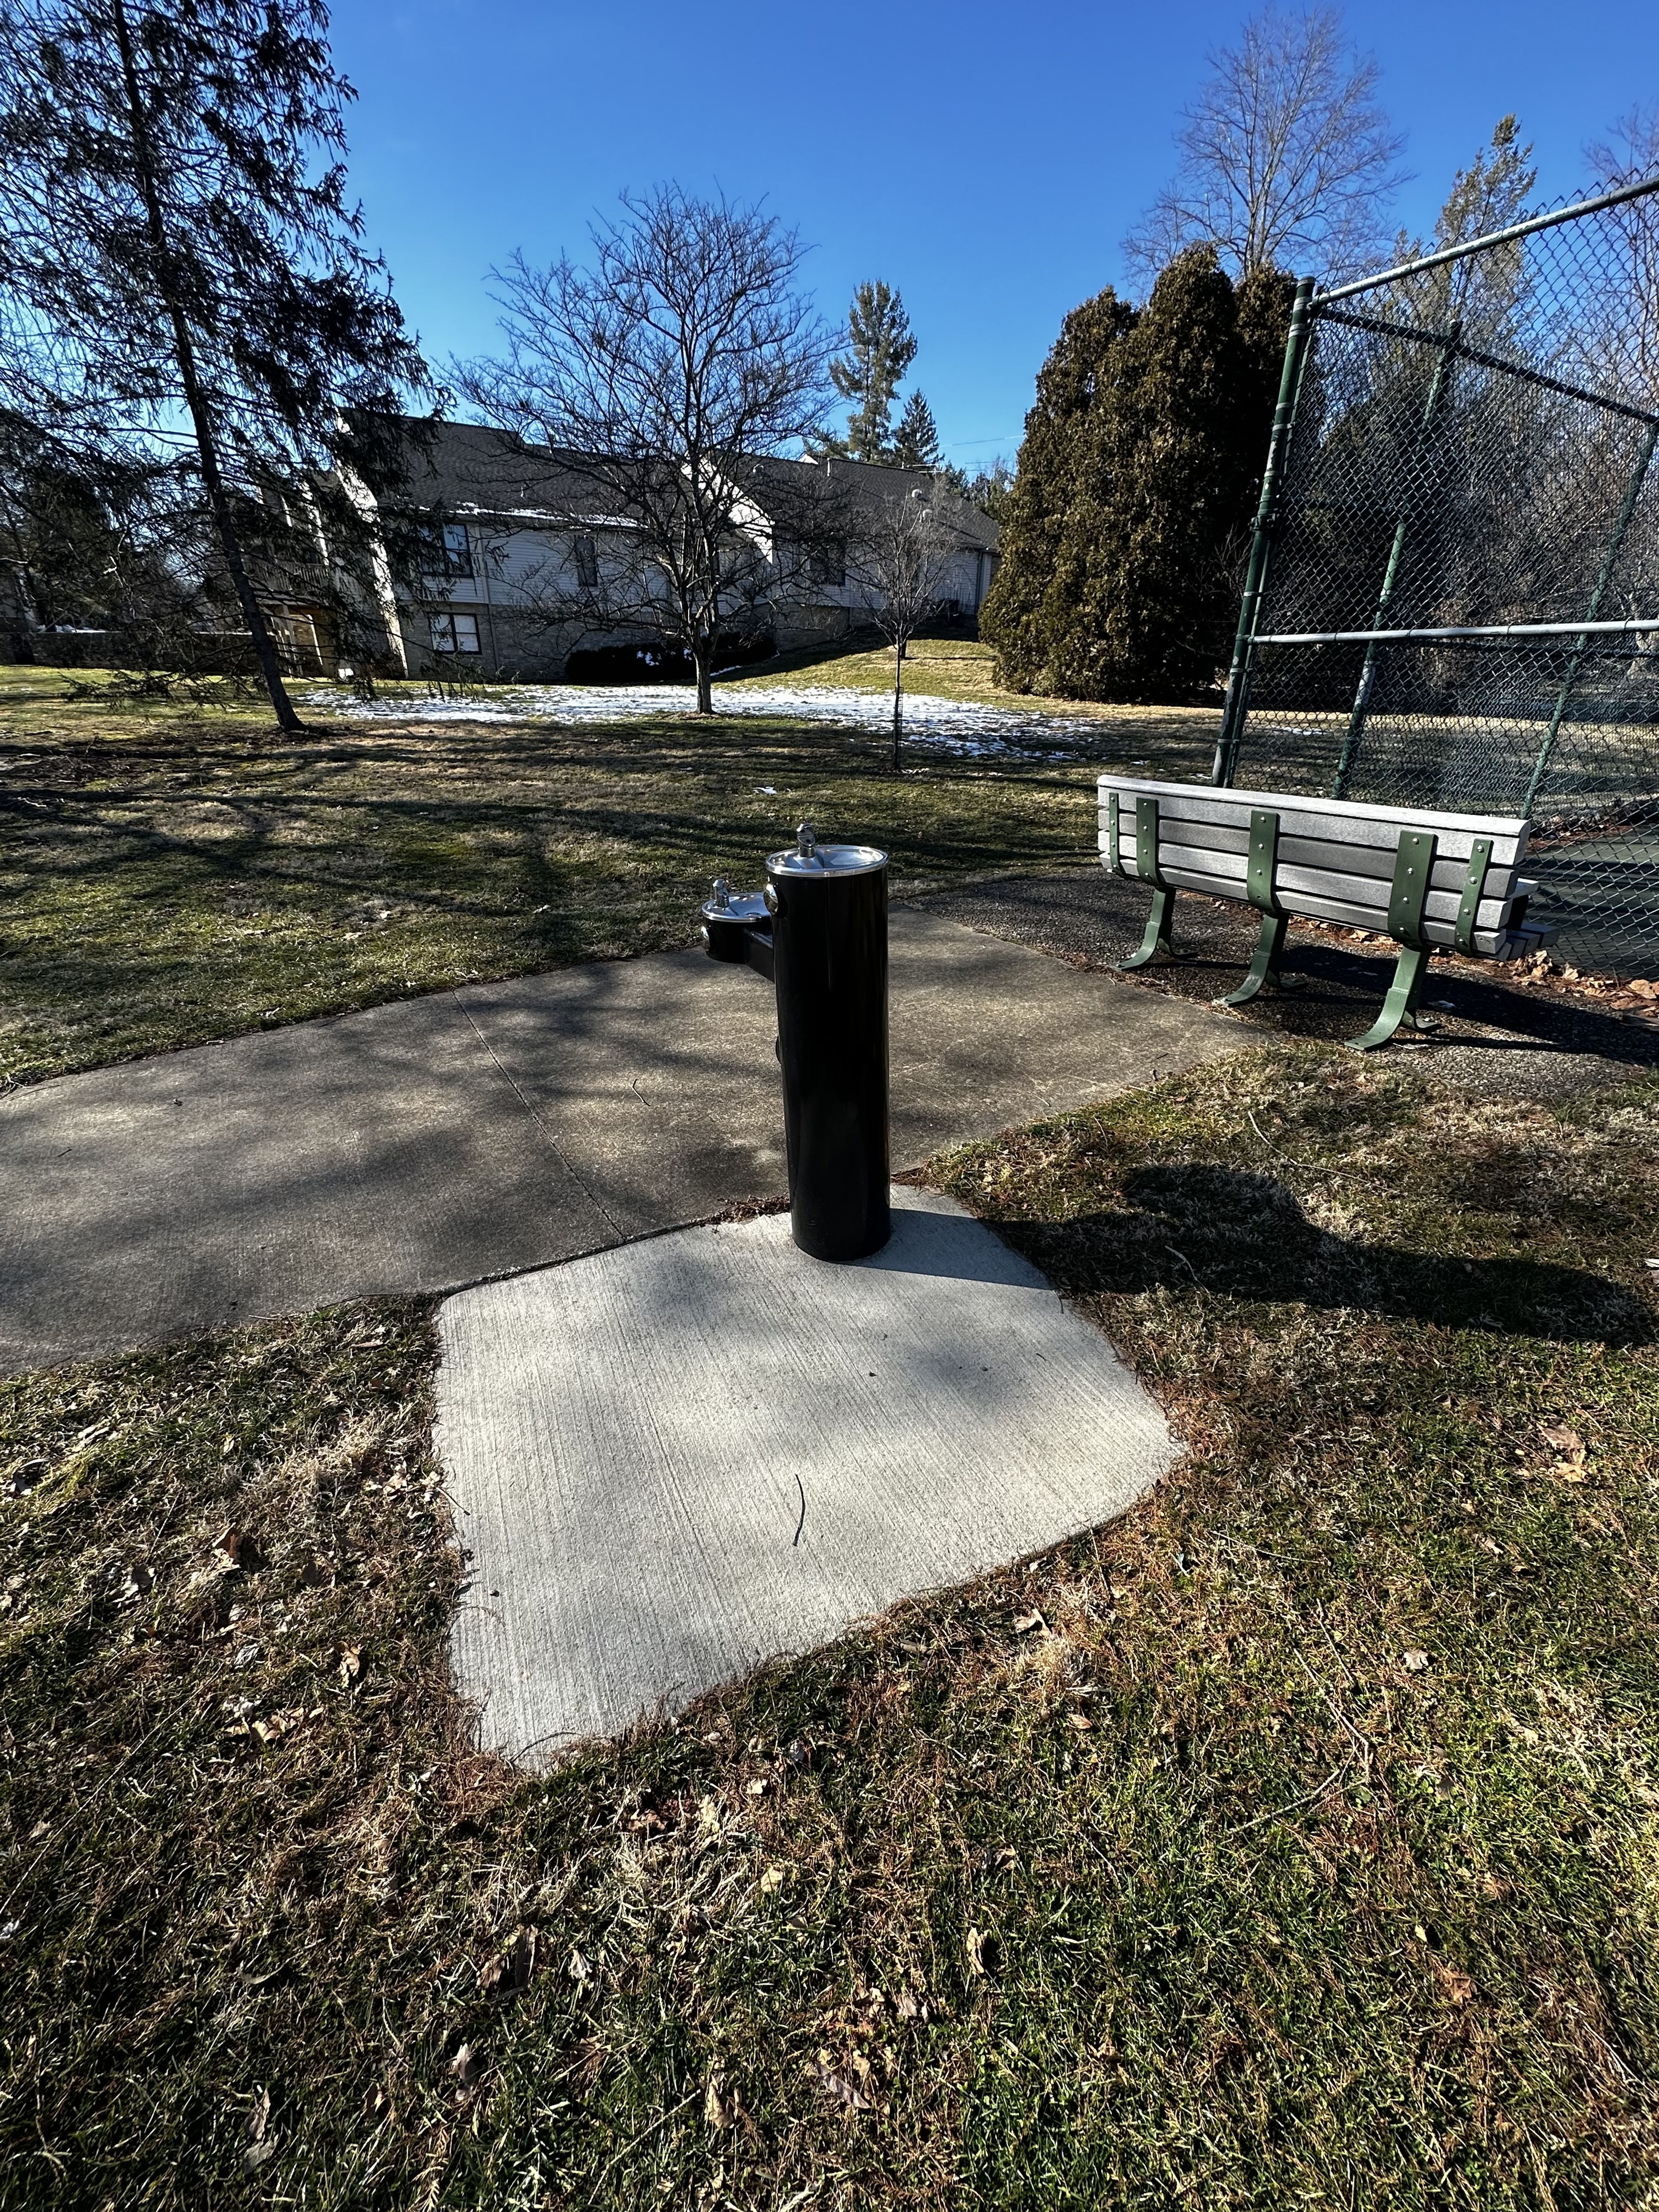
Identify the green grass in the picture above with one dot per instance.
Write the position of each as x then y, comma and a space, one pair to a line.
169, 875
1290, 1842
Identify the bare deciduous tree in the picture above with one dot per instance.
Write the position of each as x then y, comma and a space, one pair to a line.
1621, 334
657, 377
901, 556
1286, 158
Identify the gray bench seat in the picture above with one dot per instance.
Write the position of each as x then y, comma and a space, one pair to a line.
1421, 877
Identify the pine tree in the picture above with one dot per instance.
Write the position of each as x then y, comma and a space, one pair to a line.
1129, 516
879, 350
916, 446
1484, 292
1021, 615
175, 226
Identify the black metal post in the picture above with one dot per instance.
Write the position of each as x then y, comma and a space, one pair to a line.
828, 908
1239, 676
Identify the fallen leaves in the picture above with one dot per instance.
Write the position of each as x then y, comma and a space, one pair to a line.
1570, 1445
722, 2107
275, 1726
351, 1665
262, 2145
511, 1974
1414, 1663
846, 2081
237, 1552
467, 2065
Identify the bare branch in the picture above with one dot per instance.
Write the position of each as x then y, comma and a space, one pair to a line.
901, 555
1286, 158
654, 379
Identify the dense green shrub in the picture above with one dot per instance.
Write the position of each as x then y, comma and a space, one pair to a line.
1125, 534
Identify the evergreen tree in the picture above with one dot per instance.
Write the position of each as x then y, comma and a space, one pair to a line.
879, 350
175, 226
916, 446
1485, 291
1021, 615
104, 542
988, 490
1129, 516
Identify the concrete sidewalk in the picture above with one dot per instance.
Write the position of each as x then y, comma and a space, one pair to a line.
439, 1141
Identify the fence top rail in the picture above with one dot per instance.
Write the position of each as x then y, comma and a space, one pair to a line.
1493, 238
1424, 336
1493, 629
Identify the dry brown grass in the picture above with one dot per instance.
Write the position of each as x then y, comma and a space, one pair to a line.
169, 875
1294, 1840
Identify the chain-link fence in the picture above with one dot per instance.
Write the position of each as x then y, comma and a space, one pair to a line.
1453, 597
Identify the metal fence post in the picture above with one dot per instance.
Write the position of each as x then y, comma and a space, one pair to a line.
1632, 493
1239, 676
1361, 699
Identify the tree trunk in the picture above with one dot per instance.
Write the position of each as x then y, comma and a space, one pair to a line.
702, 657
213, 480
898, 702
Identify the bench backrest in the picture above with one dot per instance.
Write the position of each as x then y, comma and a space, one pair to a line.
1407, 873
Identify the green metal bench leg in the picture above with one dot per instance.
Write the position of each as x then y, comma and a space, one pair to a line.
1408, 896
1156, 945
1400, 1007
1264, 968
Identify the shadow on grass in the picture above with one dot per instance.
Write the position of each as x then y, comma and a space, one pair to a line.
1245, 1235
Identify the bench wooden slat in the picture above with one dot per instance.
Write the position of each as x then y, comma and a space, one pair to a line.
1305, 868
1327, 821
1325, 899
1439, 924
1359, 813
1372, 861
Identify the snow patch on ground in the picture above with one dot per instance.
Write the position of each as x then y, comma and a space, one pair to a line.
954, 725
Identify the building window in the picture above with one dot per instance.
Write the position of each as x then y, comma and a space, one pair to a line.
455, 633
827, 563
585, 560
448, 550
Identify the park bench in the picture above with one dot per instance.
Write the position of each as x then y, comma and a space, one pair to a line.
1420, 877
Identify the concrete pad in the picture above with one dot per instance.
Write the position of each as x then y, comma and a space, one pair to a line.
434, 1141
676, 1460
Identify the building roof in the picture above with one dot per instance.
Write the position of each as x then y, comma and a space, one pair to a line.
468, 468
861, 484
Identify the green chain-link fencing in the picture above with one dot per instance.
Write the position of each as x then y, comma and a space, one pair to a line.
1453, 599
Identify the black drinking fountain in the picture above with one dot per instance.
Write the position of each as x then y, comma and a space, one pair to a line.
819, 933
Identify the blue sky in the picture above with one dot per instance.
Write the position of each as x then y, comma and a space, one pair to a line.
985, 160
